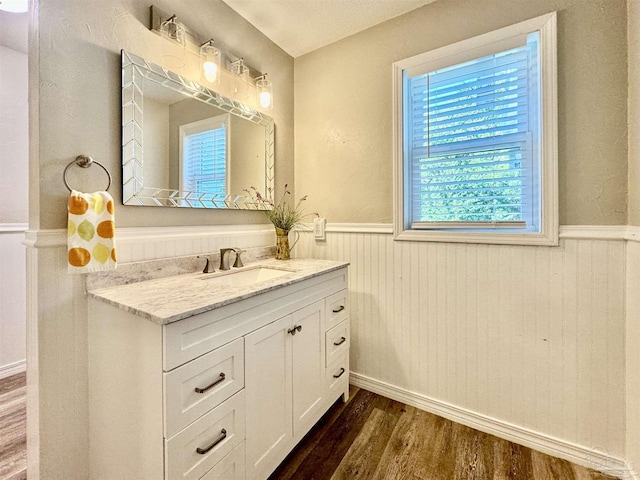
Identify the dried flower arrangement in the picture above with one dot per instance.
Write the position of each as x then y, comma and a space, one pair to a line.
281, 213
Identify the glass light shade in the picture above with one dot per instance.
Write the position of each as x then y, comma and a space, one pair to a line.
173, 48
210, 61
264, 89
240, 80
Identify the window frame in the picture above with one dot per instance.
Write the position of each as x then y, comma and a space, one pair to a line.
210, 123
460, 52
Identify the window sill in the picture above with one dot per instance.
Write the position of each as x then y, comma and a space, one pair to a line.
549, 239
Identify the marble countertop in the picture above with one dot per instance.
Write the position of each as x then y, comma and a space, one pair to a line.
169, 299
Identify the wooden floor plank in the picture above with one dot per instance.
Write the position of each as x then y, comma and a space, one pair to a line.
13, 428
361, 460
307, 445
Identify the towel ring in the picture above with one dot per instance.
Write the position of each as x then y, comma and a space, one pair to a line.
85, 161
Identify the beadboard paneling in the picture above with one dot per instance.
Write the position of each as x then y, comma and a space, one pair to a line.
12, 299
633, 351
531, 336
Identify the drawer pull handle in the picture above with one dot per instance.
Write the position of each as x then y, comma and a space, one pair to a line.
221, 437
297, 328
220, 379
340, 342
338, 310
342, 370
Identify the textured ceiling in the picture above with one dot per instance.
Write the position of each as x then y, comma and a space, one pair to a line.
300, 26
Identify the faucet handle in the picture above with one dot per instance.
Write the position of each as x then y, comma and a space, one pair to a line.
208, 267
224, 260
238, 262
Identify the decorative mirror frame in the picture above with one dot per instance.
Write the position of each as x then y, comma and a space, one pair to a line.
134, 71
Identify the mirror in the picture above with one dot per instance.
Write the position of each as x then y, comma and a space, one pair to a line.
184, 145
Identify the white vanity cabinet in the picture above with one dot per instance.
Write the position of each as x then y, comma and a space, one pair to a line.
223, 394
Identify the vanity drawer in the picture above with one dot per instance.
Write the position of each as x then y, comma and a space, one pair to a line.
337, 342
216, 376
199, 447
337, 377
337, 308
230, 467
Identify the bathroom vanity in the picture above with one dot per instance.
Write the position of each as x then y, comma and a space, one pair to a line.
214, 376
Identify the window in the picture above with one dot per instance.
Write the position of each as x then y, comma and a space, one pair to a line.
204, 156
476, 155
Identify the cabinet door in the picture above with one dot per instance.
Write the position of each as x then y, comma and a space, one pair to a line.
268, 396
308, 366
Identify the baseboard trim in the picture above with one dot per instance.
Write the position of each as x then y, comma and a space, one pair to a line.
595, 459
13, 368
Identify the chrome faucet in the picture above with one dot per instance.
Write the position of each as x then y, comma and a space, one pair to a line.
224, 258
208, 267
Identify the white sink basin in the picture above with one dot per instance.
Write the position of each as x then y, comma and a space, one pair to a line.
248, 276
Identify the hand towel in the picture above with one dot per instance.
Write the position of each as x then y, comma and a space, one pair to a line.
91, 232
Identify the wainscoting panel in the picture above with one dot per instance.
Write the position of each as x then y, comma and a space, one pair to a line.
633, 349
12, 299
530, 336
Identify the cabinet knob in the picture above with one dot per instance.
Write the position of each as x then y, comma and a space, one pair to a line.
340, 342
338, 310
342, 370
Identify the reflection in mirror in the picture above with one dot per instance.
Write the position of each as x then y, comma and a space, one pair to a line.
185, 145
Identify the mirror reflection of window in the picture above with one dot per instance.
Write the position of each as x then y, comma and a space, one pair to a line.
204, 156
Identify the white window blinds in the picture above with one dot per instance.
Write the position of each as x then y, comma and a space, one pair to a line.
470, 142
204, 156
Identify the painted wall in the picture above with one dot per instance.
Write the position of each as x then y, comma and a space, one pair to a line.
79, 100
14, 137
633, 38
74, 85
343, 106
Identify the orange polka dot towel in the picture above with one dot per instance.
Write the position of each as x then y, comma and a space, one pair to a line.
91, 232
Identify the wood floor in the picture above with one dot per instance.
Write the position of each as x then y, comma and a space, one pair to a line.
374, 438
13, 428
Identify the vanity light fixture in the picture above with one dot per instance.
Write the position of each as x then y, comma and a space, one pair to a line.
240, 79
181, 39
264, 90
210, 61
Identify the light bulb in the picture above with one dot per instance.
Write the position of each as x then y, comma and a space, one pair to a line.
264, 89
210, 72
210, 58
265, 99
